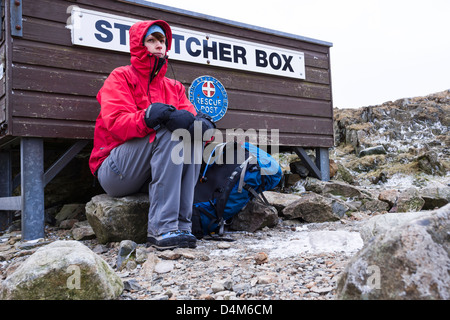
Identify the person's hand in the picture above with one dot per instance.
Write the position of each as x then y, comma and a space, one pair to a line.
158, 114
179, 119
204, 121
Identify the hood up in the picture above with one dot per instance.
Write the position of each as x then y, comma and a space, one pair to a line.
141, 59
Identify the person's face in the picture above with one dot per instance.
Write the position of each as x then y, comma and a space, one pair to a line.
156, 45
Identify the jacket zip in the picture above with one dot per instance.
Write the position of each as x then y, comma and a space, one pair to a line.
157, 65
151, 77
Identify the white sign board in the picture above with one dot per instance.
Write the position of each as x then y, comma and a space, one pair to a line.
101, 30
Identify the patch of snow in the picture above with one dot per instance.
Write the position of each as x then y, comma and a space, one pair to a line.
399, 181
312, 242
301, 241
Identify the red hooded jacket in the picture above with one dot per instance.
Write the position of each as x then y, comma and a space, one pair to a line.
127, 93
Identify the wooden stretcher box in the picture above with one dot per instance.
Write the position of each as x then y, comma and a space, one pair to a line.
56, 54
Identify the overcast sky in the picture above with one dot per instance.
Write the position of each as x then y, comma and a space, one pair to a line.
382, 50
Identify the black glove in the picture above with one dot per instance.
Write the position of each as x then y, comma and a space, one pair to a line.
206, 124
179, 119
157, 114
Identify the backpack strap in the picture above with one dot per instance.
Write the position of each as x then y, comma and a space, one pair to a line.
259, 196
244, 170
217, 156
222, 199
210, 216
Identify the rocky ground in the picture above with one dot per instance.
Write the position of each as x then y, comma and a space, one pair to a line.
295, 259
291, 261
281, 263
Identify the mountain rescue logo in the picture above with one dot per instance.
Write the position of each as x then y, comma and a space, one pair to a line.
208, 89
209, 96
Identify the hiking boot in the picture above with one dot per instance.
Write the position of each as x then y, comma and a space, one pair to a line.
168, 240
190, 239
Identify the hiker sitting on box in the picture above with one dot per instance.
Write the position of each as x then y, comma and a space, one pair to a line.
140, 108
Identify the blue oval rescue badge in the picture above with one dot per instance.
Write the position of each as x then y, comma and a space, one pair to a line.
209, 96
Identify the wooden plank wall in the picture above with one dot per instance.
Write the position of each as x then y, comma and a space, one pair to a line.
54, 83
3, 114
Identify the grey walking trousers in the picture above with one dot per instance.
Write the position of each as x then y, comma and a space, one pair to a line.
136, 164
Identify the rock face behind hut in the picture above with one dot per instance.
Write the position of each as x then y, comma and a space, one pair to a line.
399, 150
408, 136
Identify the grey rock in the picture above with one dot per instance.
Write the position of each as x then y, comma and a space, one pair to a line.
126, 249
71, 211
372, 151
141, 255
298, 168
383, 223
409, 200
62, 270
409, 262
335, 188
280, 200
164, 266
429, 163
343, 189
374, 205
315, 208
82, 231
255, 216
435, 196
217, 287
117, 219
132, 285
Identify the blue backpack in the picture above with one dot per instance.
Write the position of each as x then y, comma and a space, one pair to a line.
233, 175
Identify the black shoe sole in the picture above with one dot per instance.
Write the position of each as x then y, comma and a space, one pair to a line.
179, 244
190, 242
162, 248
183, 241
191, 245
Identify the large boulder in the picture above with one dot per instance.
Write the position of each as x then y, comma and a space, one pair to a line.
312, 207
382, 223
435, 196
62, 270
335, 188
430, 164
409, 200
408, 262
255, 216
117, 219
374, 205
280, 200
